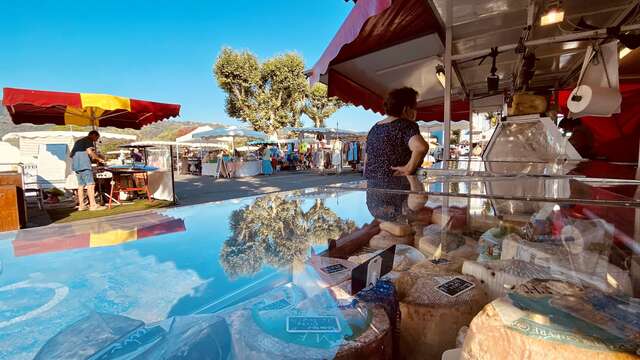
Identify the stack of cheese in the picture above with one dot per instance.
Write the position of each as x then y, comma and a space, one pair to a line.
371, 341
571, 261
552, 319
430, 318
436, 242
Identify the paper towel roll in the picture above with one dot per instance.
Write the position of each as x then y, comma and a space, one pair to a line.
594, 101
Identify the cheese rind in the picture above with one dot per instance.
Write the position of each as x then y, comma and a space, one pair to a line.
551, 319
430, 318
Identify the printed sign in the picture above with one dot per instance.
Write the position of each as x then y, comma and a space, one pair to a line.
440, 261
317, 324
331, 269
455, 287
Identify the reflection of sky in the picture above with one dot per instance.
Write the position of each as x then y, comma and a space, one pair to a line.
149, 279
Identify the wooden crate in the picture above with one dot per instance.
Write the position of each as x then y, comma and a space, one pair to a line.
12, 209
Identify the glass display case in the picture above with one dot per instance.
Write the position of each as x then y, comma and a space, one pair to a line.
416, 267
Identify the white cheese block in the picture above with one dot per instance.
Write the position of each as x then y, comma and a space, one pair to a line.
405, 257
395, 228
453, 354
430, 318
586, 266
384, 239
435, 242
550, 319
500, 276
251, 342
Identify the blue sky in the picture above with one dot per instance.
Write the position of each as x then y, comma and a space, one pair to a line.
159, 50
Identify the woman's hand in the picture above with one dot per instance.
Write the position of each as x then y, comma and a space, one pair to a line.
401, 170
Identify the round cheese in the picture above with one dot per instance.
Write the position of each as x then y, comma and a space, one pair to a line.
251, 342
430, 318
385, 239
551, 319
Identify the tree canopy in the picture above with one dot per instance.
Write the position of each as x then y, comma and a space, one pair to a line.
276, 231
318, 107
266, 94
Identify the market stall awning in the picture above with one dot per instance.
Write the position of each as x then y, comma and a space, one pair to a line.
63, 134
175, 143
230, 131
385, 44
82, 109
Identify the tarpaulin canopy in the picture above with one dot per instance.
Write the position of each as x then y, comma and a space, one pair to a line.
382, 45
63, 134
230, 131
82, 109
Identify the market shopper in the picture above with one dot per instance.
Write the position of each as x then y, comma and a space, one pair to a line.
394, 144
82, 153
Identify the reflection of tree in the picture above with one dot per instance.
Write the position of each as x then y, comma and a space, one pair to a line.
276, 231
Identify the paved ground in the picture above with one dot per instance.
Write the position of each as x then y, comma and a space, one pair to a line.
200, 189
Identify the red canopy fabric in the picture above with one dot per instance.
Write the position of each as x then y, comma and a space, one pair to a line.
615, 138
61, 108
373, 25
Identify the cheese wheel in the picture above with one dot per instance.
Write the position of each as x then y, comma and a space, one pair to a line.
430, 318
395, 228
500, 276
443, 265
585, 266
385, 239
251, 342
550, 319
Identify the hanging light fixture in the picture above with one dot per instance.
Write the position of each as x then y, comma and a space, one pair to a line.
553, 14
624, 52
440, 74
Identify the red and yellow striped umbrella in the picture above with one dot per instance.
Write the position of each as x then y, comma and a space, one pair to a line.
61, 108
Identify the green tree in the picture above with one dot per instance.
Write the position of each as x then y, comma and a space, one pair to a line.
268, 95
276, 231
318, 107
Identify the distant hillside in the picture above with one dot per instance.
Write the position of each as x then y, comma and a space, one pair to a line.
164, 130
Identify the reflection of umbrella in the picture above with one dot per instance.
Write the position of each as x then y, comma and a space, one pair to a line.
230, 131
60, 108
77, 236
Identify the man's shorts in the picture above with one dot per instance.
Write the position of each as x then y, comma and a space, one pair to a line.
85, 177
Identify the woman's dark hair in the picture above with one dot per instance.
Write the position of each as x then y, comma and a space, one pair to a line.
398, 99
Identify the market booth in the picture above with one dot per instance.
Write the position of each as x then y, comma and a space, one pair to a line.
91, 110
233, 166
530, 253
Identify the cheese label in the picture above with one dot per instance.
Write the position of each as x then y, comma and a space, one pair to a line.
455, 286
556, 311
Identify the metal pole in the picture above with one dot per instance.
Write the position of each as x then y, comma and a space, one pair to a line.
447, 84
470, 127
545, 41
173, 180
